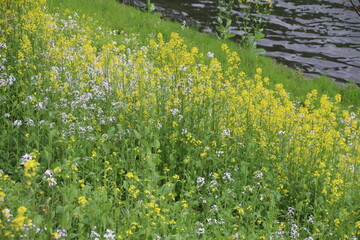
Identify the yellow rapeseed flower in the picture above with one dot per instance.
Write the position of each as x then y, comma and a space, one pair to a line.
30, 168
129, 175
357, 224
82, 201
2, 196
55, 235
21, 210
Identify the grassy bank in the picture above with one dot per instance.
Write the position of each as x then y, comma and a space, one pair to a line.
130, 136
119, 17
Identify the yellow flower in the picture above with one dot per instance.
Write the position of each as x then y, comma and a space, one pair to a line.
129, 232
282, 225
129, 175
259, 71
357, 224
6, 213
21, 210
74, 167
82, 200
18, 222
55, 235
337, 98
30, 168
2, 196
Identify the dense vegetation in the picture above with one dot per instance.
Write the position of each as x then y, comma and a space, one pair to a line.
104, 136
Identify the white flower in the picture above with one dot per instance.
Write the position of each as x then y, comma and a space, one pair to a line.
200, 231
210, 54
294, 231
248, 188
227, 176
183, 24
200, 181
213, 183
226, 132
30, 122
258, 174
291, 211
112, 119
156, 237
7, 214
94, 235
174, 111
220, 222
39, 106
109, 234
62, 233
51, 181
184, 131
218, 153
11, 79
48, 173
261, 197
310, 219
17, 123
26, 157
159, 126
203, 200
214, 208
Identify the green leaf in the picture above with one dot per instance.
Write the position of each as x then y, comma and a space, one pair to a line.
137, 134
156, 144
259, 51
228, 23
231, 35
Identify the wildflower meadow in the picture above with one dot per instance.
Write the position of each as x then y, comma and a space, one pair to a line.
104, 138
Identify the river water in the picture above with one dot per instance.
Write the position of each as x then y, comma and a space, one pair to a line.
316, 36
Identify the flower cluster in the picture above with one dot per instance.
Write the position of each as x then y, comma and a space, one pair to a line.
161, 140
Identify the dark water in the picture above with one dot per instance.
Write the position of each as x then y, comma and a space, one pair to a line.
318, 36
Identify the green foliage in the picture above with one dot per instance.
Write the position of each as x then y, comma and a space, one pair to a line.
150, 6
224, 19
107, 135
254, 15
